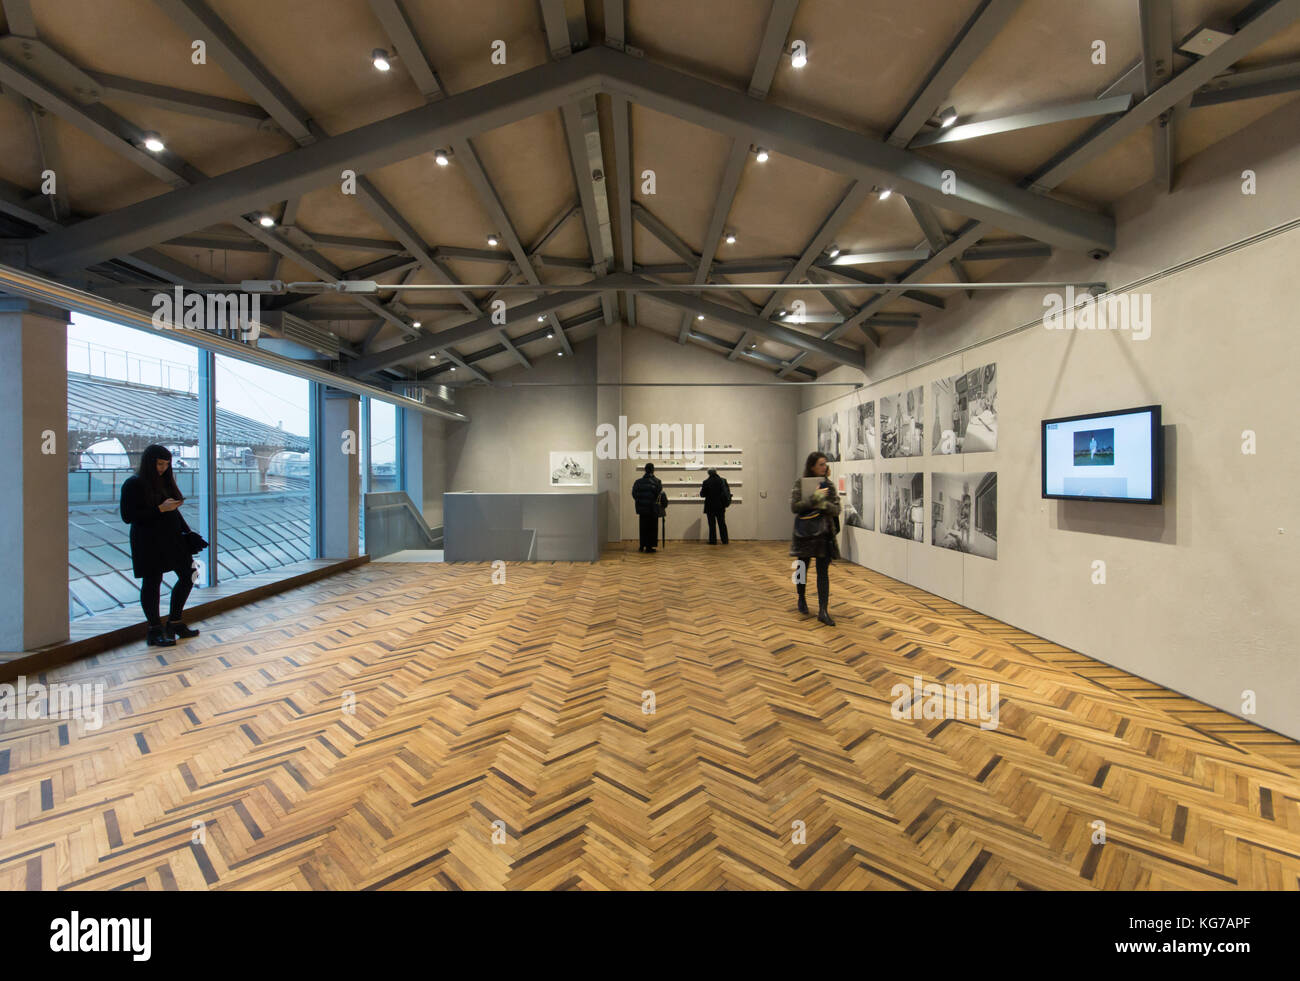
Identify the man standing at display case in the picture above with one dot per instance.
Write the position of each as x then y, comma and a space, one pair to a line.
646, 492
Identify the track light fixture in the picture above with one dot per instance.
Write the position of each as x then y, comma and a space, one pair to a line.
885, 193
266, 221
549, 335
731, 238
947, 117
442, 157
153, 142
415, 324
833, 251
381, 59
541, 320
493, 241
699, 316
798, 54
760, 154
780, 314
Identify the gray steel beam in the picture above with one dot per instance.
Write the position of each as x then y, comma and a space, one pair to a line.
523, 313
311, 166
936, 237
200, 22
815, 249
779, 18
719, 346
979, 196
532, 337
410, 52
1007, 249
879, 258
461, 363
1274, 79
978, 126
982, 27
842, 306
868, 280
178, 100
19, 203
623, 170
110, 129
1267, 22
615, 28
717, 222
47, 151
1156, 26
18, 15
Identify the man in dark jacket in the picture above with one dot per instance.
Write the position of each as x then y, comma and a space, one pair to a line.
647, 492
717, 498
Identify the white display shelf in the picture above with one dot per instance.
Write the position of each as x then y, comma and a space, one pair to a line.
700, 469
708, 449
730, 483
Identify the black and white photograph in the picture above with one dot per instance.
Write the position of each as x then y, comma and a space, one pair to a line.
902, 424
571, 469
966, 412
861, 509
902, 505
828, 437
964, 512
862, 431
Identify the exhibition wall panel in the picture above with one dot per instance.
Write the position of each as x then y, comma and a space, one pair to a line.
758, 422
1192, 593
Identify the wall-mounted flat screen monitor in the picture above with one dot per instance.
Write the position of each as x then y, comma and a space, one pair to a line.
1106, 456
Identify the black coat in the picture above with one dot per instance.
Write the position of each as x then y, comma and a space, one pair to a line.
646, 493
716, 493
157, 545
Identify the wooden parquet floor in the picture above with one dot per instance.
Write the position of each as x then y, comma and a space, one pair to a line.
498, 740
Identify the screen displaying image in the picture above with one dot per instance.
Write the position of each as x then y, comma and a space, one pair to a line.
1110, 457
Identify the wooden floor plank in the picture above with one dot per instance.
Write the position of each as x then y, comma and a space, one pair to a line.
406, 726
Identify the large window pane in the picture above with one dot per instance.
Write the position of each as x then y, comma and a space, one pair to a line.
126, 389
383, 447
263, 468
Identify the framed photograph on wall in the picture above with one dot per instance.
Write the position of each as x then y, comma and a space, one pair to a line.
965, 512
829, 437
902, 423
572, 468
902, 505
862, 431
966, 412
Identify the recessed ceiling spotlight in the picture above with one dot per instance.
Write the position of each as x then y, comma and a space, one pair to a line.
781, 313
885, 193
380, 58
833, 251
442, 157
541, 320
761, 155
731, 238
153, 143
559, 354
798, 54
699, 316
549, 335
433, 357
453, 367
266, 221
493, 241
752, 346
415, 324
948, 117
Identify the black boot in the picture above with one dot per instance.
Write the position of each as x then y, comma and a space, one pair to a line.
177, 629
824, 616
158, 637
803, 603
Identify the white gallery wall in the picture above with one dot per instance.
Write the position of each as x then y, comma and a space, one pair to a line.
758, 422
1198, 592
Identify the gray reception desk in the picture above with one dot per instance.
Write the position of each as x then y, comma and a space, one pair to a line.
523, 527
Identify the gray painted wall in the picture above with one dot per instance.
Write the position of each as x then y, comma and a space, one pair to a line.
1197, 592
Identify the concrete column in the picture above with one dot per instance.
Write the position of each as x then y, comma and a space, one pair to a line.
609, 406
34, 480
340, 487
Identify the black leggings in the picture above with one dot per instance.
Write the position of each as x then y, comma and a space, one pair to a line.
823, 581
149, 589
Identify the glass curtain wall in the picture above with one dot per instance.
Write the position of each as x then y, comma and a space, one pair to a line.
263, 459
126, 389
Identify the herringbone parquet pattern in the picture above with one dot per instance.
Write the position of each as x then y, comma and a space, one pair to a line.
522, 703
